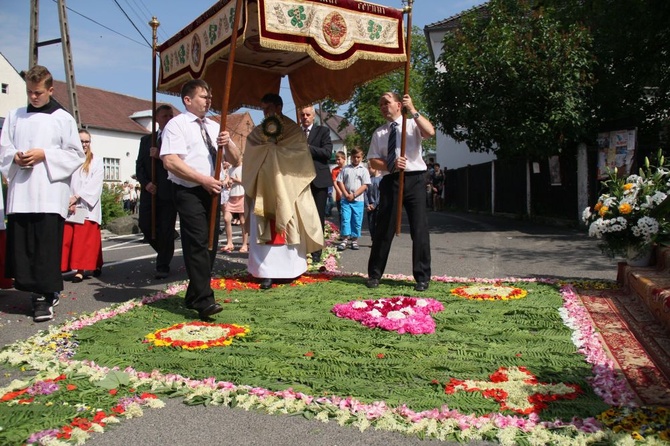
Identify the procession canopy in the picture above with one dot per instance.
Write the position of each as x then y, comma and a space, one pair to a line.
326, 48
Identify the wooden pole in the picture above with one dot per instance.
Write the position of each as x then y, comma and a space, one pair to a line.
403, 137
154, 23
224, 115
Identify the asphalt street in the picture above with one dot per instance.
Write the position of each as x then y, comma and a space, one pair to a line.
463, 245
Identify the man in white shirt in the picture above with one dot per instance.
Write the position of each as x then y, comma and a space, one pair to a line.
189, 155
384, 155
39, 151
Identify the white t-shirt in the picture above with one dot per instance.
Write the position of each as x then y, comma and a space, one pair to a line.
182, 136
413, 149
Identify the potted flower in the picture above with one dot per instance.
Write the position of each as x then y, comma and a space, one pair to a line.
631, 214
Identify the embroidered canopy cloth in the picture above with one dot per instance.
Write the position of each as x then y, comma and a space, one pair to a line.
326, 48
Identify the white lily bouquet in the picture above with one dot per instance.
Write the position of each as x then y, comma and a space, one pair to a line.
632, 212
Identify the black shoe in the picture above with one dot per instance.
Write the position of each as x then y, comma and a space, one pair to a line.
43, 308
372, 283
97, 272
161, 275
266, 284
77, 278
421, 286
210, 311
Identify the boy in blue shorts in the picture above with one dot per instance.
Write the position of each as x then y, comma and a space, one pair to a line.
353, 181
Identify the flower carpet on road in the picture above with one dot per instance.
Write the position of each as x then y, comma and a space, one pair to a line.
516, 371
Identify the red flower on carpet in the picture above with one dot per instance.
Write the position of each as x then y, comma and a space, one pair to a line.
235, 283
516, 389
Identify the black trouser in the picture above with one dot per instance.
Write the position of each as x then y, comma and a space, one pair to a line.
34, 250
194, 206
166, 216
414, 202
320, 195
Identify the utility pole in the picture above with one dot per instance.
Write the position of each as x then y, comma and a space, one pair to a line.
67, 52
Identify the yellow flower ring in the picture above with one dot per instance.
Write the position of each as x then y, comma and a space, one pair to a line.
489, 292
196, 335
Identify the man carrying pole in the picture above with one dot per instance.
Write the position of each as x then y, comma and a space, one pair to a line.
384, 156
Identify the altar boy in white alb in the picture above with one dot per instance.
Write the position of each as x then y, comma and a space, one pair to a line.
39, 151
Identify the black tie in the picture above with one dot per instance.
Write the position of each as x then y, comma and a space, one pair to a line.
208, 141
390, 156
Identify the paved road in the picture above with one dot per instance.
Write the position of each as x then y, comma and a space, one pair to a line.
464, 245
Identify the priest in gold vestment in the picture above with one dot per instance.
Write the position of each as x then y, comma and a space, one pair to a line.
276, 174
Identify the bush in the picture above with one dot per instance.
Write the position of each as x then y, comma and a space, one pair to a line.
111, 204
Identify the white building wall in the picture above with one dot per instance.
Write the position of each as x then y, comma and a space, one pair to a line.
448, 152
452, 154
15, 95
117, 145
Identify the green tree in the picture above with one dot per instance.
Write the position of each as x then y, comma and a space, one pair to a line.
363, 110
110, 202
630, 42
515, 81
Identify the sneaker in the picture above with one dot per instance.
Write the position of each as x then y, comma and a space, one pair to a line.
43, 309
56, 299
354, 245
342, 246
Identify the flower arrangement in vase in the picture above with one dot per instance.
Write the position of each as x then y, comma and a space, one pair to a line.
632, 213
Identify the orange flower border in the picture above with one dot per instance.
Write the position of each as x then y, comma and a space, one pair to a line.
489, 292
162, 337
249, 282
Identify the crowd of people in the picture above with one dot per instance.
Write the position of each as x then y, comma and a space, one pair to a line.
280, 195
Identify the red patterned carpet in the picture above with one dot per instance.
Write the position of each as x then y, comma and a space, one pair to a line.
636, 342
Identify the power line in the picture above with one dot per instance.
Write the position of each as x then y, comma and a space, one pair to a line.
101, 25
145, 15
132, 23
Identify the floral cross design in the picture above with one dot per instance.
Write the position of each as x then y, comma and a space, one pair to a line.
516, 389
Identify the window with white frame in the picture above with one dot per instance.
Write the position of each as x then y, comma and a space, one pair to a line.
111, 166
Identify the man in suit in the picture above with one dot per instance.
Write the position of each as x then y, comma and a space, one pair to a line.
166, 214
321, 149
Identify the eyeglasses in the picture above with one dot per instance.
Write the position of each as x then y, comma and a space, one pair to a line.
85, 142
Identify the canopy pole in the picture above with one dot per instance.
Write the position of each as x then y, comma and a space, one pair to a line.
403, 138
154, 23
224, 115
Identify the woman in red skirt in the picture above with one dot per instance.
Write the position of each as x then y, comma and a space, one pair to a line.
82, 242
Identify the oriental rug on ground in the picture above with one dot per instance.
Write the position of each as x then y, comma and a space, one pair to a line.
518, 361
635, 341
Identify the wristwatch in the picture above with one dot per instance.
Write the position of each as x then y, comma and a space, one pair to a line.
416, 115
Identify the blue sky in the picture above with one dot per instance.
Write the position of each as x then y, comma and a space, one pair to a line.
109, 53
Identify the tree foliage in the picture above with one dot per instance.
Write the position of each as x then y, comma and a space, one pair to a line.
631, 41
363, 109
515, 81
